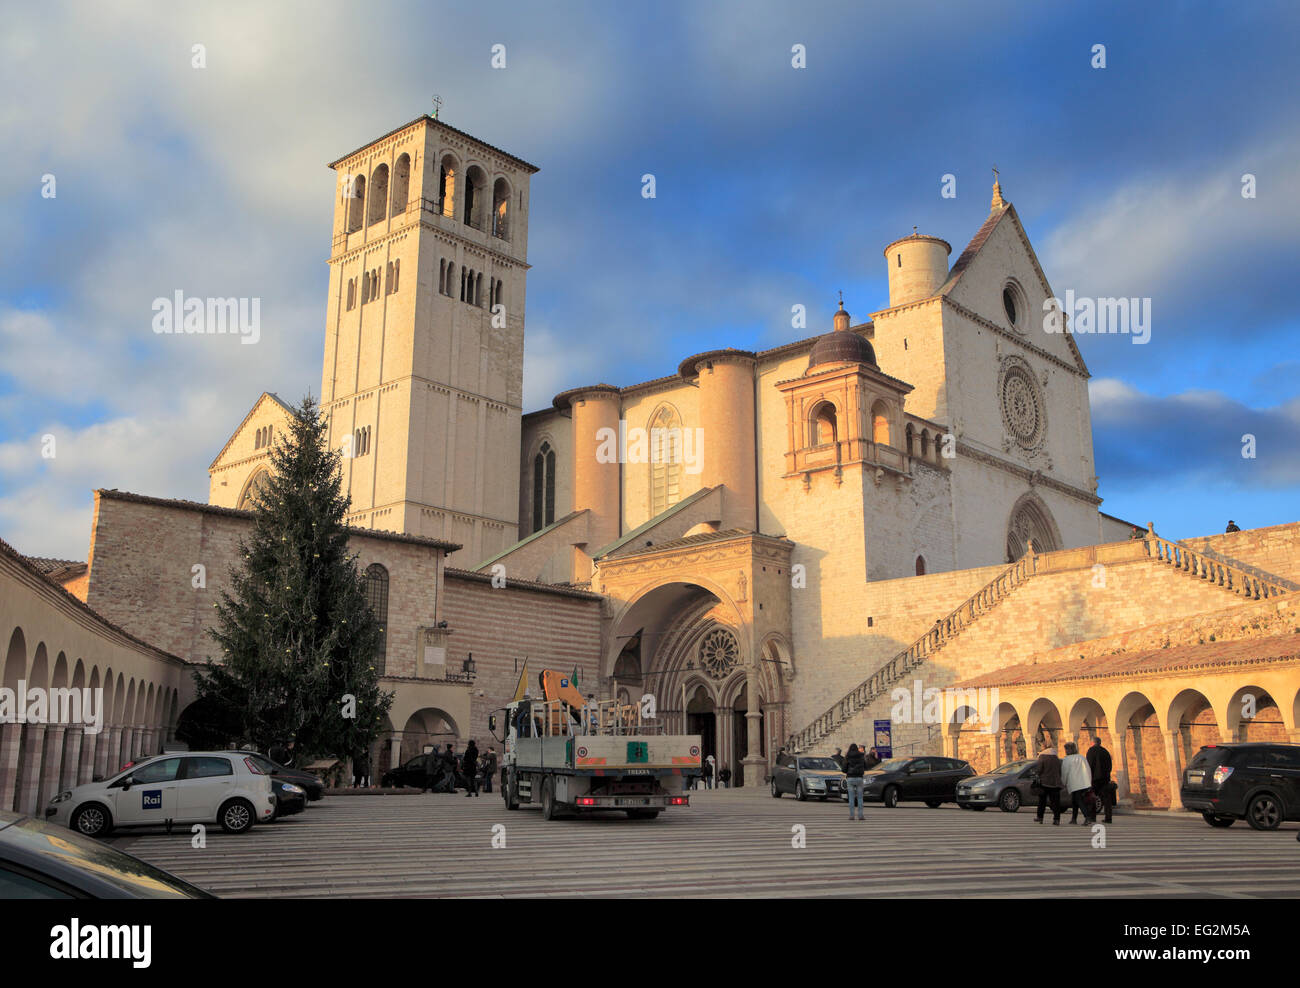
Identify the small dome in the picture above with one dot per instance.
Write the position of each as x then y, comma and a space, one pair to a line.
842, 318
841, 347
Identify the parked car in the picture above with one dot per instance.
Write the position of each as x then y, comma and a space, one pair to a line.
1007, 787
928, 779
312, 785
40, 861
222, 787
1255, 781
807, 775
415, 773
289, 799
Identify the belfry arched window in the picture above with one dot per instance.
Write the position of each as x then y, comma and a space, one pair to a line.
355, 190
823, 426
666, 455
377, 598
543, 487
378, 195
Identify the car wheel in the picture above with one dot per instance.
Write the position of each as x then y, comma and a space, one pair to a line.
934, 804
799, 794
776, 793
1214, 820
548, 799
890, 797
1009, 801
1264, 812
236, 816
92, 820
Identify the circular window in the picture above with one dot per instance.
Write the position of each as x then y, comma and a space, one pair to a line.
719, 652
1023, 412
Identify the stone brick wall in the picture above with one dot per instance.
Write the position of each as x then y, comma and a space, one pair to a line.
504, 626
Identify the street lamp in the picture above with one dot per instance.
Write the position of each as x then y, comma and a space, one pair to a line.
468, 667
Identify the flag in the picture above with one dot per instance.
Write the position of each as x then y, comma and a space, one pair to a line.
523, 684
574, 678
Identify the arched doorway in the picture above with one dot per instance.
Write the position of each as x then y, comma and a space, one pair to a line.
424, 729
702, 719
1030, 521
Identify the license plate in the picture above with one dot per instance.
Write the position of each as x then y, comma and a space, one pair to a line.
1196, 777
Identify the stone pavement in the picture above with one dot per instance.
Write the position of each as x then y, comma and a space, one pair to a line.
727, 843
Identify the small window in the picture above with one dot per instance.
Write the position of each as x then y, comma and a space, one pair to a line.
900, 260
920, 566
207, 768
1009, 303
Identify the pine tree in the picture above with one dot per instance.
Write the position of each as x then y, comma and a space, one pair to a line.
297, 635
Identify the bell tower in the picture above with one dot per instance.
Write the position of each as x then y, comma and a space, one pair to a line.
424, 334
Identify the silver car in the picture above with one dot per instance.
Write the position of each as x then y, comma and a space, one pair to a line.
1007, 787
806, 776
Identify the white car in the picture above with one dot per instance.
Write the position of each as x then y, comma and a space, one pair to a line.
185, 788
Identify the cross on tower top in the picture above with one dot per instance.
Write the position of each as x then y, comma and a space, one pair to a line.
437, 105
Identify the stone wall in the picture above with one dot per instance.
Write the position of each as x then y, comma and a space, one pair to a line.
1275, 549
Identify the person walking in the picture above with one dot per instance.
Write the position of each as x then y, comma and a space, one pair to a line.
1076, 778
361, 770
1049, 784
469, 764
1099, 762
489, 769
710, 767
724, 777
855, 765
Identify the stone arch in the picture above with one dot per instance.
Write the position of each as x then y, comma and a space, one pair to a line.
252, 486
79, 675
378, 210
1087, 721
659, 600
448, 179
823, 423
39, 674
1044, 726
428, 726
1143, 757
501, 208
59, 675
1265, 725
969, 738
357, 204
880, 424
1030, 520
472, 202
1012, 743
909, 438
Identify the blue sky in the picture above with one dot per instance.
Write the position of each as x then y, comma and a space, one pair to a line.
775, 186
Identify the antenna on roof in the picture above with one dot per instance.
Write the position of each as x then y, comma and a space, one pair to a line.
437, 105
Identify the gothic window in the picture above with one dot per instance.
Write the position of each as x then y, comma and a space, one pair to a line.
1023, 409
719, 653
910, 434
377, 598
543, 487
478, 289
666, 455
500, 204
500, 293
920, 566
462, 283
925, 444
254, 486
378, 194
475, 190
401, 184
356, 188
1030, 521
492, 294
442, 276
352, 294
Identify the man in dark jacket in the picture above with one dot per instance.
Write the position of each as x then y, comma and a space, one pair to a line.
855, 764
838, 758
873, 759
1049, 784
489, 768
469, 765
1100, 763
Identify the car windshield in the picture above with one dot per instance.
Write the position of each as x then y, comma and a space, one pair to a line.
893, 765
265, 764
1010, 768
818, 764
130, 771
104, 862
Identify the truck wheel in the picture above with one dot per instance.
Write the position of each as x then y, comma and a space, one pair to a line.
510, 790
548, 798
642, 814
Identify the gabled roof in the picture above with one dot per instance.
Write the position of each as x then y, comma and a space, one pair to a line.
978, 241
544, 530
663, 516
239, 428
444, 126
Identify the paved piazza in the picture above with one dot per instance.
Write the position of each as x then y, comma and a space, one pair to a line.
728, 843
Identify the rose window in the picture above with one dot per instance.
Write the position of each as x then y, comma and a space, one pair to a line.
719, 652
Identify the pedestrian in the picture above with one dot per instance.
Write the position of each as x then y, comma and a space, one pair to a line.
724, 777
1232, 526
1099, 762
1049, 784
431, 761
1136, 534
1076, 779
361, 770
710, 768
489, 768
838, 758
855, 764
872, 759
278, 753
470, 765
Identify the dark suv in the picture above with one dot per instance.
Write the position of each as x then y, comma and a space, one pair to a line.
931, 780
1259, 782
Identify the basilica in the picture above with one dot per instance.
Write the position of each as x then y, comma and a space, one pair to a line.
905, 498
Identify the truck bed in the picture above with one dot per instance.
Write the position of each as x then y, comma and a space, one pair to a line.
610, 755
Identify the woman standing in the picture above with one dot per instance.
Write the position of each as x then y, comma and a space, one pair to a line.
855, 765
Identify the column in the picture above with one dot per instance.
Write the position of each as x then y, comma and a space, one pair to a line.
397, 751
755, 764
1120, 767
9, 738
106, 762
72, 745
89, 757
1175, 773
33, 743
51, 767
125, 740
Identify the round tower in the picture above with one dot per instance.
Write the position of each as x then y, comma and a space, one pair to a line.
596, 456
918, 267
728, 443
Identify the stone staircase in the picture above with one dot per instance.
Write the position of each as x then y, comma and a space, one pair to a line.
1244, 582
1289, 586
892, 672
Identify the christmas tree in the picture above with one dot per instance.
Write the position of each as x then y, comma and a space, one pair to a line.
298, 639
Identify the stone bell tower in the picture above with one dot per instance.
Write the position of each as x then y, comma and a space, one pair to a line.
424, 334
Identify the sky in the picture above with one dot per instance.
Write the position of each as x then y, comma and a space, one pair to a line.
775, 186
